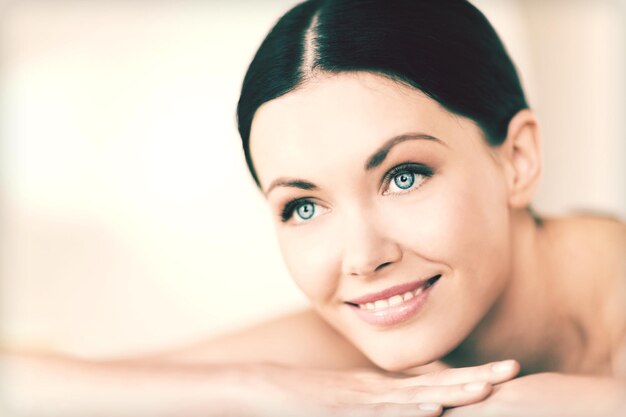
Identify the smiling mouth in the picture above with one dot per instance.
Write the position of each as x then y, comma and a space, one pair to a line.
393, 296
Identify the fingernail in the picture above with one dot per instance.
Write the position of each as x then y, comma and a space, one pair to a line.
429, 406
475, 386
502, 367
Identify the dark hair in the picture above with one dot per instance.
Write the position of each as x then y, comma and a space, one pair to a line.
445, 48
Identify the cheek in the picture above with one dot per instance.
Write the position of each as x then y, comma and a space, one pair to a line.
462, 225
311, 260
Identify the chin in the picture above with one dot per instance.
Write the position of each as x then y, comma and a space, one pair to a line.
394, 364
403, 359
414, 347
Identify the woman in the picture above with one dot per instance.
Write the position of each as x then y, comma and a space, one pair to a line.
395, 147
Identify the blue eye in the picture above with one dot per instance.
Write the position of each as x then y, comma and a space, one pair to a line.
305, 210
405, 180
301, 210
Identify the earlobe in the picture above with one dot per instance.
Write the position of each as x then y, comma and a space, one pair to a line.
523, 151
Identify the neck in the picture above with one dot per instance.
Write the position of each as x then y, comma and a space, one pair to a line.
529, 321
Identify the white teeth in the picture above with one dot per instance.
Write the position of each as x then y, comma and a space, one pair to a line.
391, 301
395, 300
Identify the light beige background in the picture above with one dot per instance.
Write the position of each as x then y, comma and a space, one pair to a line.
128, 219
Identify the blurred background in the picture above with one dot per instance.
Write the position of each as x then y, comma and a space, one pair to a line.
128, 220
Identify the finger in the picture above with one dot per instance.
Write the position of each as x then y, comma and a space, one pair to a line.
446, 395
391, 410
494, 373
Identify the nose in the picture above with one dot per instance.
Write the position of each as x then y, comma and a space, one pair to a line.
367, 248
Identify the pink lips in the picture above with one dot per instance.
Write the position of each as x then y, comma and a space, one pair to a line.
395, 314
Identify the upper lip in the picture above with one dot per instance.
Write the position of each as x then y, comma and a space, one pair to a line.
390, 292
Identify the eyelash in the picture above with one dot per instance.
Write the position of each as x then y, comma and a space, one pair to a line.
407, 168
291, 206
410, 168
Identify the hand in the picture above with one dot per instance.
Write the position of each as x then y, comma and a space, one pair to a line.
550, 395
286, 391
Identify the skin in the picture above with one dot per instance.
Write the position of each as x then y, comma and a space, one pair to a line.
509, 288
551, 297
333, 257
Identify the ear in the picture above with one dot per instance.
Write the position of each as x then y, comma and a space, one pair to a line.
522, 158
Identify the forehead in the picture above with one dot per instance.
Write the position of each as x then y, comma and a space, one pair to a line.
341, 117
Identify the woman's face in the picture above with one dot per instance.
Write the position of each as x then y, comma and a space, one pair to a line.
378, 192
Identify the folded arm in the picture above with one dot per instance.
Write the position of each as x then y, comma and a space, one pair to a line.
239, 375
549, 395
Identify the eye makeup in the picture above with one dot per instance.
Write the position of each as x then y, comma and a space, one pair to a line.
419, 172
291, 206
411, 168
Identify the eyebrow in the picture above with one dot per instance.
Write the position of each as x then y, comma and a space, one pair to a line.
373, 161
294, 183
379, 156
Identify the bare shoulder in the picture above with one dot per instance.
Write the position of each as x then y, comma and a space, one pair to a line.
602, 242
595, 243
301, 339
596, 257
594, 229
598, 251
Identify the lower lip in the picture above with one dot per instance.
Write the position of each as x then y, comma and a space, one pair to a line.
395, 314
